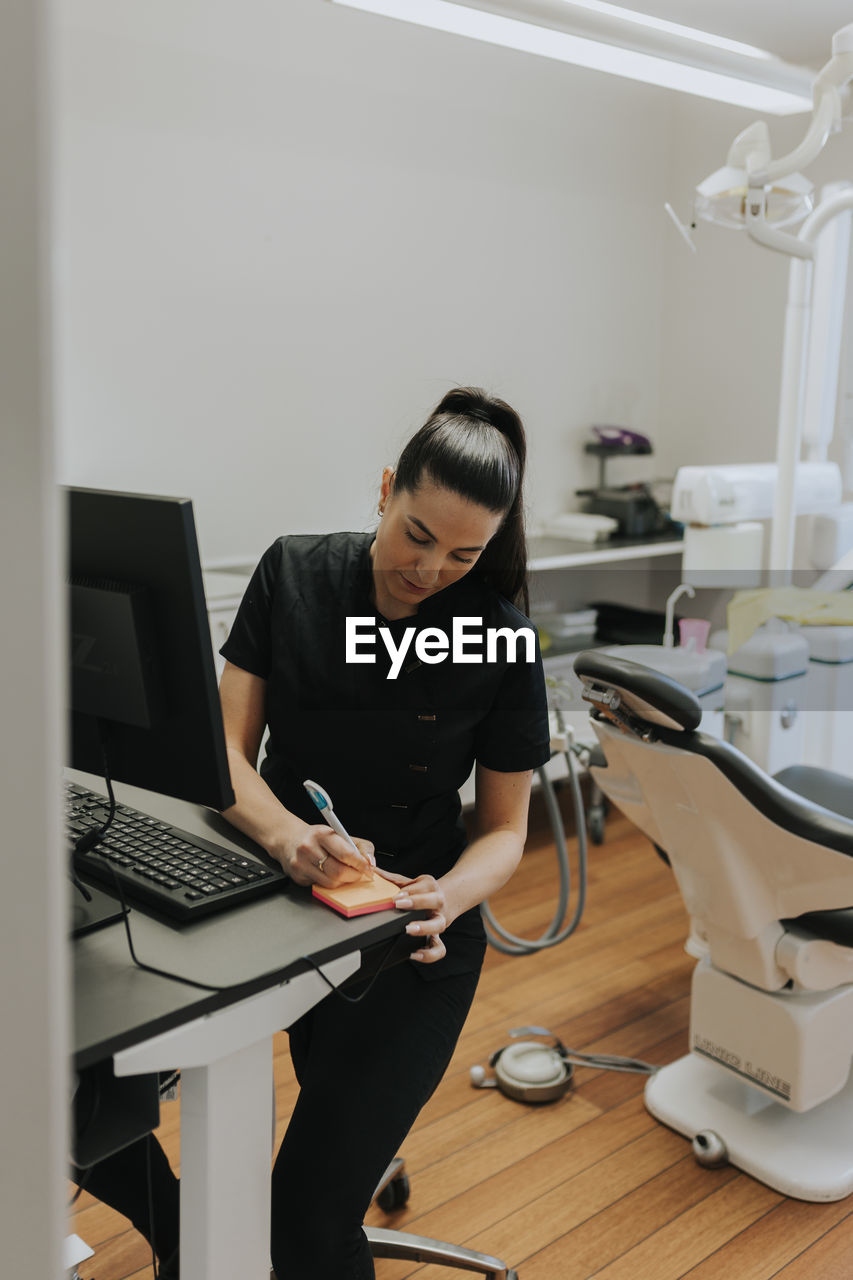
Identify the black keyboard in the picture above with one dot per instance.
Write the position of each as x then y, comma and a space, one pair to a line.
159, 866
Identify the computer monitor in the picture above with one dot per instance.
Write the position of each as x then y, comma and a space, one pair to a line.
142, 679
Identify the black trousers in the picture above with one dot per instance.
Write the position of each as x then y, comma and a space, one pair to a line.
121, 1181
365, 1071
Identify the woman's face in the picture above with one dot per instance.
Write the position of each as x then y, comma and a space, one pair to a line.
425, 541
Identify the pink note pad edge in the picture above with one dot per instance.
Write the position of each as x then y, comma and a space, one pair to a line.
349, 912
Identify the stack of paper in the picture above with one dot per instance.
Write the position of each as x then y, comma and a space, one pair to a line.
376, 894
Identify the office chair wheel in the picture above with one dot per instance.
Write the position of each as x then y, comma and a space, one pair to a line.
395, 1194
393, 1189
595, 825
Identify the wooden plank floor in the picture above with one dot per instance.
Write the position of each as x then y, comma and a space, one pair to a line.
591, 1185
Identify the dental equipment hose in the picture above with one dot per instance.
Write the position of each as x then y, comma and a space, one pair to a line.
509, 943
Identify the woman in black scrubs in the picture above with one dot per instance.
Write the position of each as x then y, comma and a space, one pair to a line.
392, 742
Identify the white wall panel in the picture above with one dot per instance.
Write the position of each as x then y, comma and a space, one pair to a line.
33, 910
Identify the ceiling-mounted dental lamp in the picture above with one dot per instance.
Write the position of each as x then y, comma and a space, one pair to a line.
722, 198
764, 194
620, 41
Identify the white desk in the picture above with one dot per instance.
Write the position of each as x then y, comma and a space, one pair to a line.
222, 1042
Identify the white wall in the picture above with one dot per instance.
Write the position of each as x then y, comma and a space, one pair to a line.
286, 229
33, 915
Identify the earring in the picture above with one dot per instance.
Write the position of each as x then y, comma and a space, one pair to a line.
381, 510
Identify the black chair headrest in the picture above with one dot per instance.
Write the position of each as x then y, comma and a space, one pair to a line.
646, 695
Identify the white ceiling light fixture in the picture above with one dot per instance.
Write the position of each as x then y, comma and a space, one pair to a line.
606, 37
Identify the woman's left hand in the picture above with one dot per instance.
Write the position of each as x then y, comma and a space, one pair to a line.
423, 894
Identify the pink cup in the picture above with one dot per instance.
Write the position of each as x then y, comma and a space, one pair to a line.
695, 629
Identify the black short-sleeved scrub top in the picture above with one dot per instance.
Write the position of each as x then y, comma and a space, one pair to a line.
391, 739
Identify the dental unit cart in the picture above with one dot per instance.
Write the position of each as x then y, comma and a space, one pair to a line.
828, 713
766, 693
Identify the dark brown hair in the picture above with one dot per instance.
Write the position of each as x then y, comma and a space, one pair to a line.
474, 445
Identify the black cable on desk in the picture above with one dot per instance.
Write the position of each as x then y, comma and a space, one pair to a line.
337, 990
92, 838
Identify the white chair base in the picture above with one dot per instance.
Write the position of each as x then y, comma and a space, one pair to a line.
807, 1155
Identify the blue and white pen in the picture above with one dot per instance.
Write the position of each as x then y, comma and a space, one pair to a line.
323, 801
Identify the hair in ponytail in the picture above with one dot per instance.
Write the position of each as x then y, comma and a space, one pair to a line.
474, 445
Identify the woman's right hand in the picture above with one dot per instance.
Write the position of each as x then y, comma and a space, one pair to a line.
321, 856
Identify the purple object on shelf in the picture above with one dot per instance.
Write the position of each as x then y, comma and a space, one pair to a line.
622, 436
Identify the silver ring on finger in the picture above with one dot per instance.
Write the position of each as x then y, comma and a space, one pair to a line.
321, 862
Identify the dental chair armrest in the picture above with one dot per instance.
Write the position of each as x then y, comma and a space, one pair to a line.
813, 953
831, 926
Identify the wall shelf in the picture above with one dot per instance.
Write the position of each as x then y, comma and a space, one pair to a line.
562, 553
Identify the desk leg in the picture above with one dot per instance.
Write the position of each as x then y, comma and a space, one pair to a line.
226, 1118
226, 1110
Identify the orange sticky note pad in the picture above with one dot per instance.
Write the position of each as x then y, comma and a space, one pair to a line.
376, 894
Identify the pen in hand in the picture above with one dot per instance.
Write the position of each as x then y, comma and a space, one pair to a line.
323, 801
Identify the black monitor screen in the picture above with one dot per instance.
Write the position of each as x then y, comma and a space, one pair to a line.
142, 679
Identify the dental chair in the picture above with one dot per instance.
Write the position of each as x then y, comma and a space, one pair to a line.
765, 869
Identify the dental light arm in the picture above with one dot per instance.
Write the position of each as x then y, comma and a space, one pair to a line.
790, 427
750, 151
826, 120
754, 190
751, 171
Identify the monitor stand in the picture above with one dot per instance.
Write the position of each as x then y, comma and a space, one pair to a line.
88, 916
